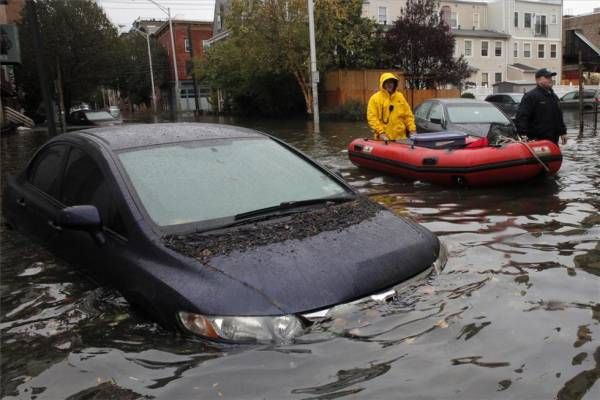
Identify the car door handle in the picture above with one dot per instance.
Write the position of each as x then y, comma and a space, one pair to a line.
54, 226
22, 203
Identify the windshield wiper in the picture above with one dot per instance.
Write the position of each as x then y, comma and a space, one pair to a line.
290, 205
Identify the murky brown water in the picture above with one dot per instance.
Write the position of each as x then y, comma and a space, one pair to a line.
515, 315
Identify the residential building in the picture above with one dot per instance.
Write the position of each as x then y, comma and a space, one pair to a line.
535, 35
189, 37
219, 30
581, 33
501, 39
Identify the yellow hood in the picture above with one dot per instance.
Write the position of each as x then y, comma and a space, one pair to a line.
384, 77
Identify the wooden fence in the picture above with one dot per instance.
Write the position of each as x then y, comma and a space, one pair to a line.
341, 86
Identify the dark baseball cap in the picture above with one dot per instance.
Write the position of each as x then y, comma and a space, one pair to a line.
544, 72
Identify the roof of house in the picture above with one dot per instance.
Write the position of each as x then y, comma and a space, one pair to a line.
588, 42
523, 67
165, 26
480, 33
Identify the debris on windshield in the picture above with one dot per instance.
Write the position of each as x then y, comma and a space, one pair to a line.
204, 246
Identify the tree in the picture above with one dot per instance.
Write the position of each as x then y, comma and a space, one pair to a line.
79, 39
269, 38
422, 46
132, 68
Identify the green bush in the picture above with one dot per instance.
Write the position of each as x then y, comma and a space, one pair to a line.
467, 95
352, 110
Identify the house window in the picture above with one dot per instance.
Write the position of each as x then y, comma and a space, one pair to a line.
498, 77
187, 46
454, 20
476, 20
445, 14
541, 29
516, 19
553, 19
383, 15
484, 48
468, 48
541, 50
527, 20
484, 79
498, 49
552, 51
527, 50
515, 50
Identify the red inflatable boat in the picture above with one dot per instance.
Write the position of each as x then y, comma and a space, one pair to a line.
425, 159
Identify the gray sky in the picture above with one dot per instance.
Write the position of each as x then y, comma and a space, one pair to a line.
124, 12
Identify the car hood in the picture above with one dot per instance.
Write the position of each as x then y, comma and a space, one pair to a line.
326, 268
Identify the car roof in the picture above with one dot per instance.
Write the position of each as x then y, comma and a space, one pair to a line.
507, 94
460, 100
141, 135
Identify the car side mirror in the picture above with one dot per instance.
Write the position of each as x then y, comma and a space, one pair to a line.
437, 121
83, 218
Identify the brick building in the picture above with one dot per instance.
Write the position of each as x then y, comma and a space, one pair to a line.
581, 33
188, 37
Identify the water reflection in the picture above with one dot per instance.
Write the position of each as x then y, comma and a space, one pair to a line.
515, 314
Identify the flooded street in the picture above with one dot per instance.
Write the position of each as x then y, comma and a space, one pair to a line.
514, 315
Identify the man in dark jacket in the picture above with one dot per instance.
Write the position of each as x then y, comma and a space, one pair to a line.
539, 115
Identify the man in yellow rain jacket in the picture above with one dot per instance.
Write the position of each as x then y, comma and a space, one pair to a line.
388, 113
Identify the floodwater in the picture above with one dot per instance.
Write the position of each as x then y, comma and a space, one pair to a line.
514, 315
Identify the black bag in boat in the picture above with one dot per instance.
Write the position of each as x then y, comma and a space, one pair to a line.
498, 132
439, 140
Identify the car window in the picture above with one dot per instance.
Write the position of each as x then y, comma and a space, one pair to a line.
210, 180
517, 98
475, 114
422, 110
589, 94
84, 184
493, 99
45, 170
570, 96
436, 112
507, 99
98, 116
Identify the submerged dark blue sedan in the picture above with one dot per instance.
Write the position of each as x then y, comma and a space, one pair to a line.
220, 231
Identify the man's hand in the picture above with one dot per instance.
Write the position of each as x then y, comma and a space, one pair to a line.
383, 136
563, 139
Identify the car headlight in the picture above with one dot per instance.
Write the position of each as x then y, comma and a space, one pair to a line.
243, 329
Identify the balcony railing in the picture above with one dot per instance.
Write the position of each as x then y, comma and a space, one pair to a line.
541, 30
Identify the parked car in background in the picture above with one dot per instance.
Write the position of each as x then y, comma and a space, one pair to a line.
473, 117
507, 102
98, 118
114, 111
79, 106
571, 99
192, 225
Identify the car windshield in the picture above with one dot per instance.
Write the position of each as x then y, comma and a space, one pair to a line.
98, 116
200, 181
475, 114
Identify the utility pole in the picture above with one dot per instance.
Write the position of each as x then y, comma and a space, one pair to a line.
174, 64
41, 66
314, 74
147, 36
168, 12
61, 99
191, 42
580, 94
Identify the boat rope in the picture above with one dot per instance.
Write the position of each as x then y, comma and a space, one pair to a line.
524, 143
